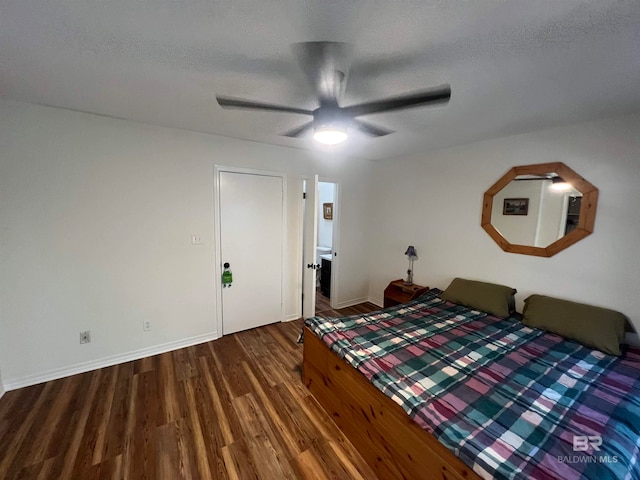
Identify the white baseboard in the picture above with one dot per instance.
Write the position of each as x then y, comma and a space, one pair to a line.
107, 361
1, 390
350, 303
376, 301
293, 316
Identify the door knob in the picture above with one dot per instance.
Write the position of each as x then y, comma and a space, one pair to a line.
314, 266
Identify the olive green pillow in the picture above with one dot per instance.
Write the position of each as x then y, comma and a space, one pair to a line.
488, 297
595, 327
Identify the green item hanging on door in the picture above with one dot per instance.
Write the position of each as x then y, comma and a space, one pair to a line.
227, 276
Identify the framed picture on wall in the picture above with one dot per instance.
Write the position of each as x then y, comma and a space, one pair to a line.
327, 211
515, 206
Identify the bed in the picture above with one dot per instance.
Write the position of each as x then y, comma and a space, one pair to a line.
432, 389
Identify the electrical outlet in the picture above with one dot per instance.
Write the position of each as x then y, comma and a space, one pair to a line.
196, 240
85, 337
146, 325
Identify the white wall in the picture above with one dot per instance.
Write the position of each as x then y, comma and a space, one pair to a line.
434, 201
96, 219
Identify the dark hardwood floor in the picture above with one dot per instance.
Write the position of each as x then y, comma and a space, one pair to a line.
323, 307
323, 304
231, 408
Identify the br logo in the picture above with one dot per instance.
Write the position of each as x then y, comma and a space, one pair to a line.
581, 443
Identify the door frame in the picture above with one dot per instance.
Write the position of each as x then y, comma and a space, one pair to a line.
335, 261
217, 232
308, 218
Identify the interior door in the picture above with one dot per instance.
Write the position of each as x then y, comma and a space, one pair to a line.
251, 240
310, 243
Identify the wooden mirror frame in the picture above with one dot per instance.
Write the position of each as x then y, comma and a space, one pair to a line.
586, 220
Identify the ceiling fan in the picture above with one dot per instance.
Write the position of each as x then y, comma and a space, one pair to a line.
323, 63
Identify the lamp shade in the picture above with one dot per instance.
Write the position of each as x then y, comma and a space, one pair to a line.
411, 251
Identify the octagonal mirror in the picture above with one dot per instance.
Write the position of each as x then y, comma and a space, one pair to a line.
539, 209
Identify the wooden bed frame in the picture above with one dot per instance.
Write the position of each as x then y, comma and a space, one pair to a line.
386, 437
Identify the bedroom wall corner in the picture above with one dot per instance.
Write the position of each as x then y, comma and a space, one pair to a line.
95, 226
444, 190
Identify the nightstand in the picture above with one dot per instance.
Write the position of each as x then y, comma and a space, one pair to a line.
397, 292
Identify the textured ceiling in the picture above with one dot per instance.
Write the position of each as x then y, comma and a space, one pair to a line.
513, 66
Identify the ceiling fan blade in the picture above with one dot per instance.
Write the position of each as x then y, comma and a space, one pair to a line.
326, 68
370, 129
227, 102
300, 131
437, 95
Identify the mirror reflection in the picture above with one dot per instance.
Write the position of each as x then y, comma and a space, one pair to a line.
539, 209
536, 210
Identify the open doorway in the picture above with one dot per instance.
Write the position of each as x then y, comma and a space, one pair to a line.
325, 244
320, 234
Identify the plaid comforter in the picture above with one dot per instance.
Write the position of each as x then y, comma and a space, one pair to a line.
510, 401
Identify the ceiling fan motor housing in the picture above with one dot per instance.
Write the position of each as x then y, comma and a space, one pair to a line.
330, 116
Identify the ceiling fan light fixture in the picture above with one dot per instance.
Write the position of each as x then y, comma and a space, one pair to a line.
330, 134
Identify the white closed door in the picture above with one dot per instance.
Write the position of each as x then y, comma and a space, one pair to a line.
251, 241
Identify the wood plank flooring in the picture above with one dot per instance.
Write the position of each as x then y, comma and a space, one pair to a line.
232, 408
323, 304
